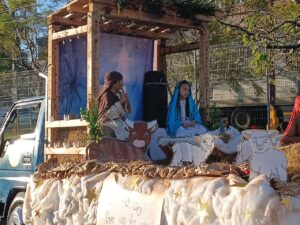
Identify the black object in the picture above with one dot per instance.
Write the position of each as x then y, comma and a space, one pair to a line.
155, 97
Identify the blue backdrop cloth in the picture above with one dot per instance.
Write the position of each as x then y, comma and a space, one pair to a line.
72, 76
132, 57
174, 118
129, 55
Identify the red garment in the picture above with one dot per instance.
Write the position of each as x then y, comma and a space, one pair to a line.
292, 132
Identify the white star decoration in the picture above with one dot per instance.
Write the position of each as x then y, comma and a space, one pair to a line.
203, 213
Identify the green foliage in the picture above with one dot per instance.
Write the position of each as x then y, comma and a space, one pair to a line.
214, 115
91, 117
186, 8
23, 26
269, 28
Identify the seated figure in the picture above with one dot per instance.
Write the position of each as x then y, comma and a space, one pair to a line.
183, 118
292, 132
114, 105
227, 137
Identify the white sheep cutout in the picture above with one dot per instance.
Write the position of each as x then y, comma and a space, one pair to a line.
193, 154
265, 158
245, 149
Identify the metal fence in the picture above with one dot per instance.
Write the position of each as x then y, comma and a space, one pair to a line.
18, 85
234, 88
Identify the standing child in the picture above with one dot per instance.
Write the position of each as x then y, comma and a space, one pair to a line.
184, 119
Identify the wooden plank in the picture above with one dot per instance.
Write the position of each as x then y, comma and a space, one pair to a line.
118, 29
77, 9
128, 14
53, 70
92, 55
66, 123
63, 21
156, 56
63, 11
161, 58
65, 151
82, 30
204, 72
180, 48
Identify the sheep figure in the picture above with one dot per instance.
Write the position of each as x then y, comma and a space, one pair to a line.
245, 151
265, 158
186, 153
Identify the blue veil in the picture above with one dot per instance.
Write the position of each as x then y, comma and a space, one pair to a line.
174, 119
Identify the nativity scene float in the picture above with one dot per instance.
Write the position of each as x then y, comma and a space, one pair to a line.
150, 177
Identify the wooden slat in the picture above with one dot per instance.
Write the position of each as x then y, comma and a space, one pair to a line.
77, 9
92, 55
82, 30
65, 151
118, 29
204, 72
63, 11
161, 59
180, 48
53, 70
63, 21
66, 123
128, 14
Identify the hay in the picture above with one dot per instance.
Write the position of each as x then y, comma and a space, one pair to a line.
292, 153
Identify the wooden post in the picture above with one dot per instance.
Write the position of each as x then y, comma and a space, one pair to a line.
156, 52
204, 71
92, 54
161, 59
272, 88
53, 77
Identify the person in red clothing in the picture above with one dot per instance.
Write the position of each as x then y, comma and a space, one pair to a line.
292, 132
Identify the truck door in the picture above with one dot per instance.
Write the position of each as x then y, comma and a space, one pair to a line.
18, 136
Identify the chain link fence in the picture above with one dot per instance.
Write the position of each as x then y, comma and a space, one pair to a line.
18, 85
234, 89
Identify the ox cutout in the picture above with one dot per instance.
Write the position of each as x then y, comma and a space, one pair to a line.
245, 150
112, 149
140, 133
265, 158
185, 153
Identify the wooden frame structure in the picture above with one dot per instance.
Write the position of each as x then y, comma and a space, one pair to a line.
88, 18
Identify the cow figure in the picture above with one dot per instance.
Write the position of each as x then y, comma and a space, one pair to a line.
112, 149
265, 158
186, 153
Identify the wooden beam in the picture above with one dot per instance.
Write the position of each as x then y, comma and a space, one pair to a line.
65, 151
77, 9
204, 88
92, 55
161, 60
53, 77
63, 11
118, 29
180, 48
70, 33
63, 21
64, 123
139, 15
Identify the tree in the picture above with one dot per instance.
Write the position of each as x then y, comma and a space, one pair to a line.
23, 30
270, 28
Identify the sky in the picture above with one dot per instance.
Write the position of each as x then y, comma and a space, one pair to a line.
46, 4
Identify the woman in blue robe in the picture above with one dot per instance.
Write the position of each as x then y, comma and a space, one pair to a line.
184, 119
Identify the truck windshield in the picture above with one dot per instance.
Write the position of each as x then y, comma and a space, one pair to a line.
22, 121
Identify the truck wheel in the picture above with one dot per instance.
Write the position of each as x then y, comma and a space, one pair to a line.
241, 119
16, 210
